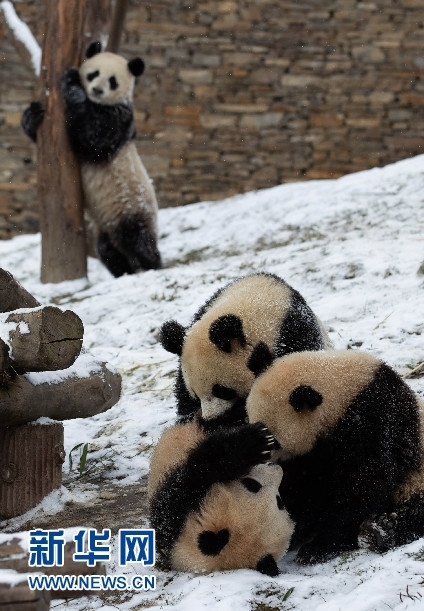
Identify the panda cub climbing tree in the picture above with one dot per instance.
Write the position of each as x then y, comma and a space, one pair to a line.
119, 198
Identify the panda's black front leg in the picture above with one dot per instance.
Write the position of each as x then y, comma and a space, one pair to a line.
72, 89
31, 120
228, 454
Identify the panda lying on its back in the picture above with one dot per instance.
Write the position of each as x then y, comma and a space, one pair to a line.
119, 197
351, 437
213, 503
254, 316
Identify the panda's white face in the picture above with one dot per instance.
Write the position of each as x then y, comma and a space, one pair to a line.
245, 519
218, 379
107, 79
303, 396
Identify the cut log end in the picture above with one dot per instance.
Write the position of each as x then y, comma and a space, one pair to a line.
44, 339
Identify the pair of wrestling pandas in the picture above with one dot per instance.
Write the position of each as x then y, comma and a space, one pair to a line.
279, 435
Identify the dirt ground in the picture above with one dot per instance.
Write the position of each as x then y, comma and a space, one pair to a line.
113, 507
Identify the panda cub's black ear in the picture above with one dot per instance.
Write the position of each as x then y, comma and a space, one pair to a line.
172, 335
224, 329
136, 66
260, 359
305, 397
268, 566
93, 48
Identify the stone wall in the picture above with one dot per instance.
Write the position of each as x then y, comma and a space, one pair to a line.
241, 95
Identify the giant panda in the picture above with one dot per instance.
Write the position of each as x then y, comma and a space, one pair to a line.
255, 314
214, 503
119, 198
350, 440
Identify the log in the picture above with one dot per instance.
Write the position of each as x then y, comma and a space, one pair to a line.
21, 598
12, 295
32, 456
86, 388
43, 339
14, 555
4, 356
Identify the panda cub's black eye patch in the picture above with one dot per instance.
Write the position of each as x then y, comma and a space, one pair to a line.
113, 83
222, 392
305, 398
251, 484
92, 75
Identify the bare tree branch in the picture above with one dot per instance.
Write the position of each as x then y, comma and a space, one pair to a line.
20, 36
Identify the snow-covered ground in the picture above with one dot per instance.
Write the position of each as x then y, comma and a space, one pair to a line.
353, 247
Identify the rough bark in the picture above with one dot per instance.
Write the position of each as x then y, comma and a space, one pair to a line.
117, 26
4, 357
44, 339
20, 598
86, 388
31, 465
13, 555
97, 17
12, 295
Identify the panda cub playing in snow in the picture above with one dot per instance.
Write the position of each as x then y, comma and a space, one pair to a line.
214, 503
350, 433
256, 313
119, 198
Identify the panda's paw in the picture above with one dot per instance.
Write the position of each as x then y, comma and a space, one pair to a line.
229, 454
378, 533
32, 118
72, 89
249, 445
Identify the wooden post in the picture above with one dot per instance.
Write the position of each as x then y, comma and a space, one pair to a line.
20, 598
117, 26
63, 252
13, 555
30, 465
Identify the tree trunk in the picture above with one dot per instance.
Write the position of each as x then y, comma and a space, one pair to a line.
63, 253
117, 26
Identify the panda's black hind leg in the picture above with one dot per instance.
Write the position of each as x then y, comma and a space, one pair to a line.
404, 524
115, 261
139, 242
